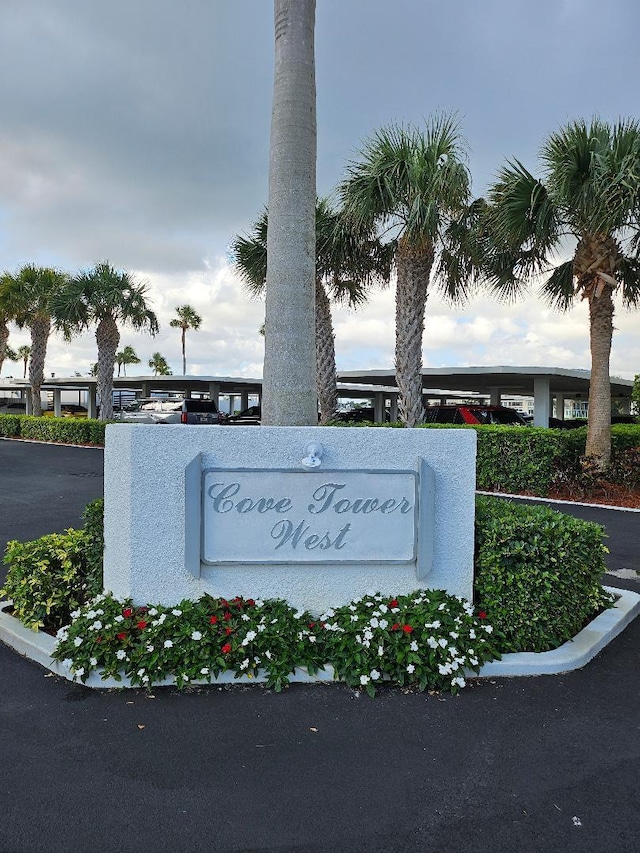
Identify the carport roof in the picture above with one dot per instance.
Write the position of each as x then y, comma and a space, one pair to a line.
509, 380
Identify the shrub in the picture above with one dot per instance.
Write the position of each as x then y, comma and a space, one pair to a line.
537, 573
63, 430
10, 425
47, 578
50, 577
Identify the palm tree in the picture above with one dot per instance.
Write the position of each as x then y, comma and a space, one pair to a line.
9, 355
186, 319
29, 295
158, 364
414, 184
5, 317
126, 356
106, 296
289, 383
345, 267
23, 355
589, 193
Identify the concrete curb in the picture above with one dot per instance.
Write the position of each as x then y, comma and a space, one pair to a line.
573, 654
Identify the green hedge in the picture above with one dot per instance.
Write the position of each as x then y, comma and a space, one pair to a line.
51, 576
538, 572
62, 430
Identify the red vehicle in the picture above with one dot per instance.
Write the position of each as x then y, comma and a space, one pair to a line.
473, 414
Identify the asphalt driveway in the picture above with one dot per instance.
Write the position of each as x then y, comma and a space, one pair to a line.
509, 765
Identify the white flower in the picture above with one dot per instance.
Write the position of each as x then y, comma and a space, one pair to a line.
168, 644
273, 621
244, 664
176, 612
79, 672
77, 642
75, 614
444, 669
395, 610
298, 614
488, 628
374, 622
468, 609
380, 651
432, 643
352, 608
473, 661
383, 608
354, 618
141, 672
259, 602
413, 646
368, 635
62, 633
153, 612
96, 625
442, 606
454, 635
364, 679
383, 623
358, 639
328, 615
375, 675
411, 668
244, 617
145, 679
459, 681
90, 614
93, 661
185, 677
196, 635
150, 648
118, 618
261, 627
121, 654
251, 635
162, 618
312, 639
442, 643
268, 655
368, 604
472, 634
452, 651
204, 670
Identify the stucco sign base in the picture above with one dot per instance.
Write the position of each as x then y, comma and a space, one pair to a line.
253, 512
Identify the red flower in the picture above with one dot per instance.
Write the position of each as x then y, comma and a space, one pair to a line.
227, 615
226, 649
213, 620
312, 624
323, 624
142, 624
393, 602
228, 631
250, 602
482, 615
122, 636
238, 602
224, 602
395, 627
407, 629
98, 639
142, 609
127, 612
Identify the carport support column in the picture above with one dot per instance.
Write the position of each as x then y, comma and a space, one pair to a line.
214, 393
92, 407
541, 401
559, 406
244, 400
28, 405
393, 412
495, 396
378, 407
146, 389
57, 402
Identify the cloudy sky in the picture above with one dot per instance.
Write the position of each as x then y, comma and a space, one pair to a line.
137, 131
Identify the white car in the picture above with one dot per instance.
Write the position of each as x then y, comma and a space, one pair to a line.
153, 410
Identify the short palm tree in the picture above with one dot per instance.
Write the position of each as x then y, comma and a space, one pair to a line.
9, 355
30, 294
126, 356
589, 195
23, 354
105, 296
186, 319
158, 364
346, 266
413, 184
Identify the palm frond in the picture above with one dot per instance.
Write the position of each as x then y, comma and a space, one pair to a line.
558, 290
628, 273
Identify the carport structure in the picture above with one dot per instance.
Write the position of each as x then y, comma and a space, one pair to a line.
544, 384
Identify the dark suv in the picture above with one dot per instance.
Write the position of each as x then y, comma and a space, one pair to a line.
473, 414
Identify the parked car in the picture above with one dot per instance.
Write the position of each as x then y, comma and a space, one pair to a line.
170, 410
248, 417
361, 414
473, 414
14, 407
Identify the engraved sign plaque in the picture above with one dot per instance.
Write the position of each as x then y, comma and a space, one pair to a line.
284, 516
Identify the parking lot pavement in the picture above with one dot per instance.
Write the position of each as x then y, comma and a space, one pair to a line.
522, 764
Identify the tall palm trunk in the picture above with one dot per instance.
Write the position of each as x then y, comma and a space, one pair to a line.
599, 421
413, 264
40, 328
4, 337
327, 381
184, 352
107, 339
289, 384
